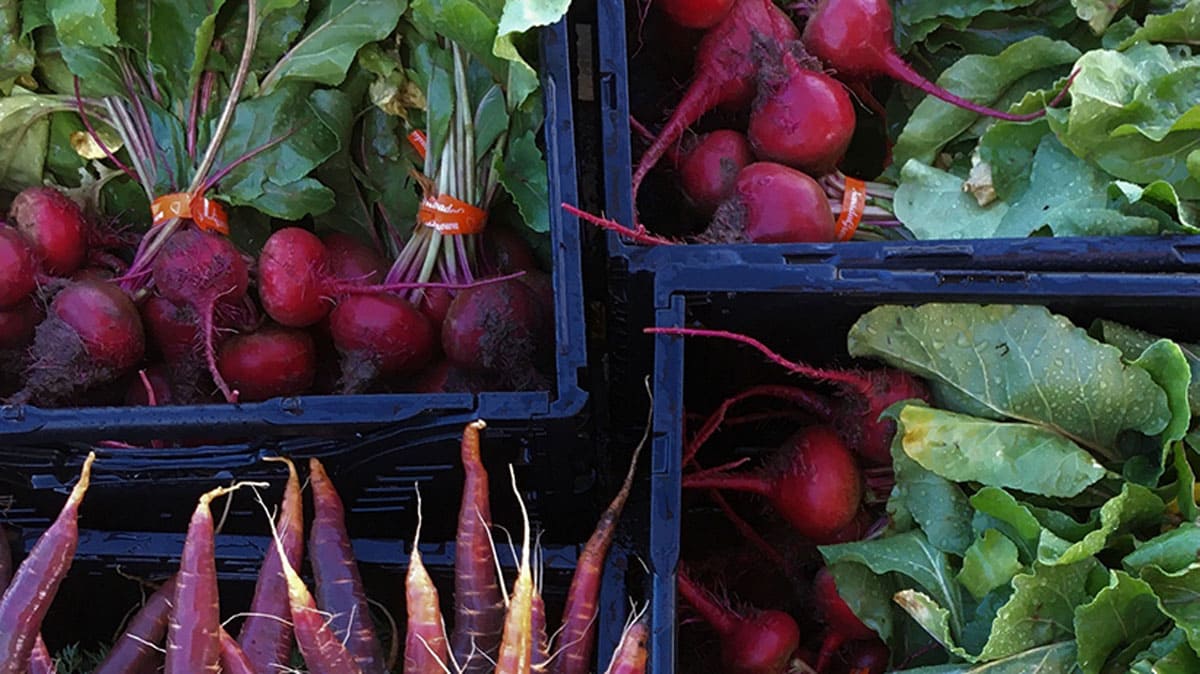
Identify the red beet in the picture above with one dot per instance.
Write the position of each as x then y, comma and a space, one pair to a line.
802, 118
17, 268
855, 38
507, 251
773, 203
434, 303
725, 71
865, 395
695, 13
709, 169
92, 336
200, 269
379, 335
497, 327
54, 226
446, 378
292, 278
843, 624
352, 261
272, 362
759, 643
816, 486
172, 329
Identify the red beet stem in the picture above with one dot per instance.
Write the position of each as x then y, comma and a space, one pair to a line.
847, 378
717, 615
637, 234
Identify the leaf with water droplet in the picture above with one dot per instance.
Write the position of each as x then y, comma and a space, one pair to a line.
1092, 398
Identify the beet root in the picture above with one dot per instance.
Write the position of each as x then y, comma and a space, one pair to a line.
709, 169
92, 335
773, 203
55, 227
499, 327
292, 274
200, 270
17, 268
379, 335
351, 261
272, 362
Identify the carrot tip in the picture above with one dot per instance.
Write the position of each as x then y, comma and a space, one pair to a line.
85, 479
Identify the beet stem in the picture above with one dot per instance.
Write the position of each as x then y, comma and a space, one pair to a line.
855, 382
898, 68
637, 234
717, 615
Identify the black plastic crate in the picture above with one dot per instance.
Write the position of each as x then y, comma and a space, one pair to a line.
804, 312
101, 586
375, 445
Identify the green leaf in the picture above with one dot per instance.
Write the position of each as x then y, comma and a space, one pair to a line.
1170, 551
1135, 114
470, 23
16, 52
1181, 25
908, 554
933, 205
986, 80
1056, 172
1020, 362
1009, 516
97, 71
1179, 597
520, 16
937, 504
1059, 658
1039, 612
1008, 149
1123, 612
385, 177
868, 594
293, 113
523, 173
25, 134
1135, 508
1185, 486
1012, 455
1162, 195
333, 37
1165, 362
1097, 13
292, 201
180, 35
88, 23
1170, 654
1133, 342
989, 563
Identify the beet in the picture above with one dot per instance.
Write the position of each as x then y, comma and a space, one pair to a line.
55, 227
695, 13
92, 335
507, 252
17, 268
773, 203
156, 382
801, 118
708, 170
292, 278
815, 484
855, 38
379, 335
272, 362
172, 330
352, 261
199, 269
724, 73
842, 624
761, 642
446, 378
499, 327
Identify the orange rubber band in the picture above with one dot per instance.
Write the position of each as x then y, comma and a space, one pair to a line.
854, 202
417, 139
208, 215
451, 216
